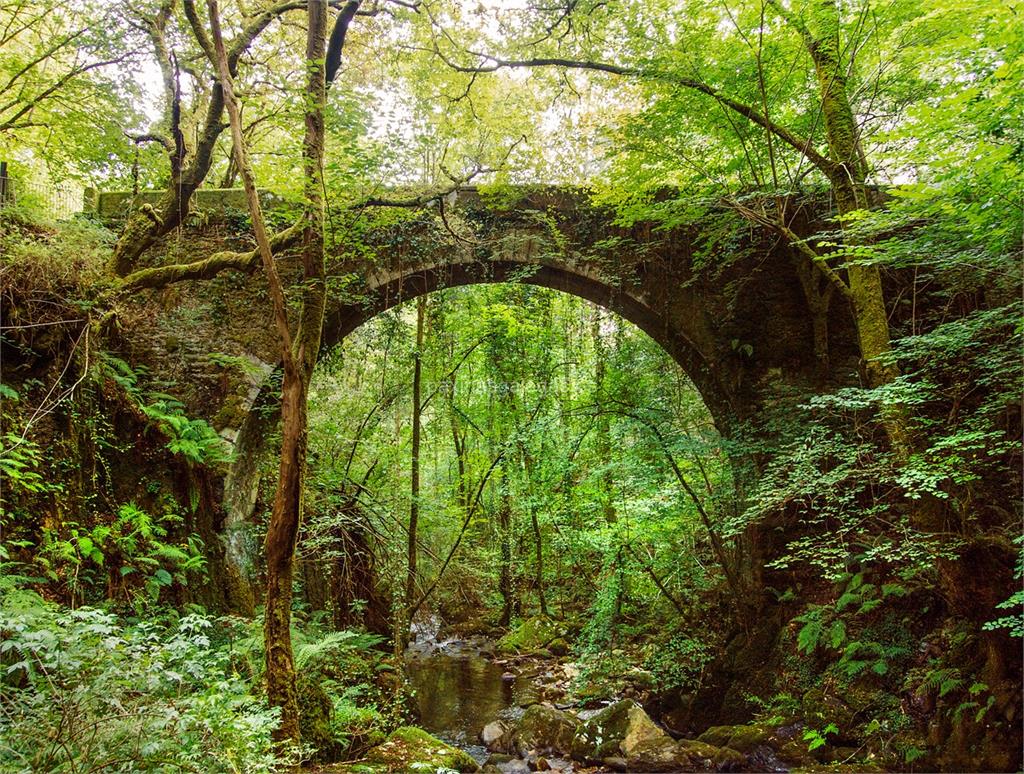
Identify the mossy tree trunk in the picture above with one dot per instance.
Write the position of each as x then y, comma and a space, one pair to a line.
190, 160
847, 174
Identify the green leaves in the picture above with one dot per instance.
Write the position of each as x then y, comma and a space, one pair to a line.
810, 634
194, 439
1015, 602
95, 685
20, 459
816, 739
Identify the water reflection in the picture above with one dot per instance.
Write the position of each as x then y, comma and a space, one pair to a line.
458, 692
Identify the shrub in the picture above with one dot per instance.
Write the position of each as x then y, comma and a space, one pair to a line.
82, 690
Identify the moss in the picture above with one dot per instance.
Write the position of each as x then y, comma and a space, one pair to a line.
315, 710
746, 738
717, 736
232, 413
238, 591
558, 647
696, 751
728, 759
413, 749
545, 729
530, 636
838, 768
613, 731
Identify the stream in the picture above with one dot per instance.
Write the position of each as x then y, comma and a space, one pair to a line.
459, 690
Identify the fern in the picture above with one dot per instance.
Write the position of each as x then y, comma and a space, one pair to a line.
944, 680
193, 439
810, 634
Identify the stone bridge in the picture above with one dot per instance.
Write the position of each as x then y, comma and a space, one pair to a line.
729, 302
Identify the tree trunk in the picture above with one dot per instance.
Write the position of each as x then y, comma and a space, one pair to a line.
604, 442
505, 582
414, 504
848, 180
538, 547
298, 356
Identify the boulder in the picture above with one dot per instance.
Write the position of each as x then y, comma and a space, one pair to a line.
495, 736
531, 636
763, 745
412, 749
544, 730
623, 737
602, 735
717, 735
743, 738
315, 709
559, 647
694, 755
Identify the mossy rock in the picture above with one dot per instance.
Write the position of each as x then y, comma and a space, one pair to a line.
694, 755
559, 647
728, 759
784, 741
823, 706
745, 738
838, 768
530, 636
718, 736
618, 730
641, 678
315, 708
410, 749
544, 730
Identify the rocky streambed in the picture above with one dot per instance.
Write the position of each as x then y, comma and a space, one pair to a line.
500, 713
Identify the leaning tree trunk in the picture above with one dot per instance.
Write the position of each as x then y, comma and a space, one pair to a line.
298, 355
848, 180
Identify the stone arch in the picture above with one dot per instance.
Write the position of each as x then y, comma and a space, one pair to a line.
385, 290
730, 312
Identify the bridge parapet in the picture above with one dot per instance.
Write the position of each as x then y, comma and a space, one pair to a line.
208, 202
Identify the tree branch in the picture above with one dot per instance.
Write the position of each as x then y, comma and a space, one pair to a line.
800, 144
208, 268
799, 244
337, 41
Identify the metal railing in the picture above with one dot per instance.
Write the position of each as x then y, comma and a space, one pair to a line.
59, 202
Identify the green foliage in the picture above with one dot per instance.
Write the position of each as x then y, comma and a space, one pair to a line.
145, 696
129, 556
366, 697
680, 663
816, 738
193, 439
20, 459
856, 628
1015, 621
